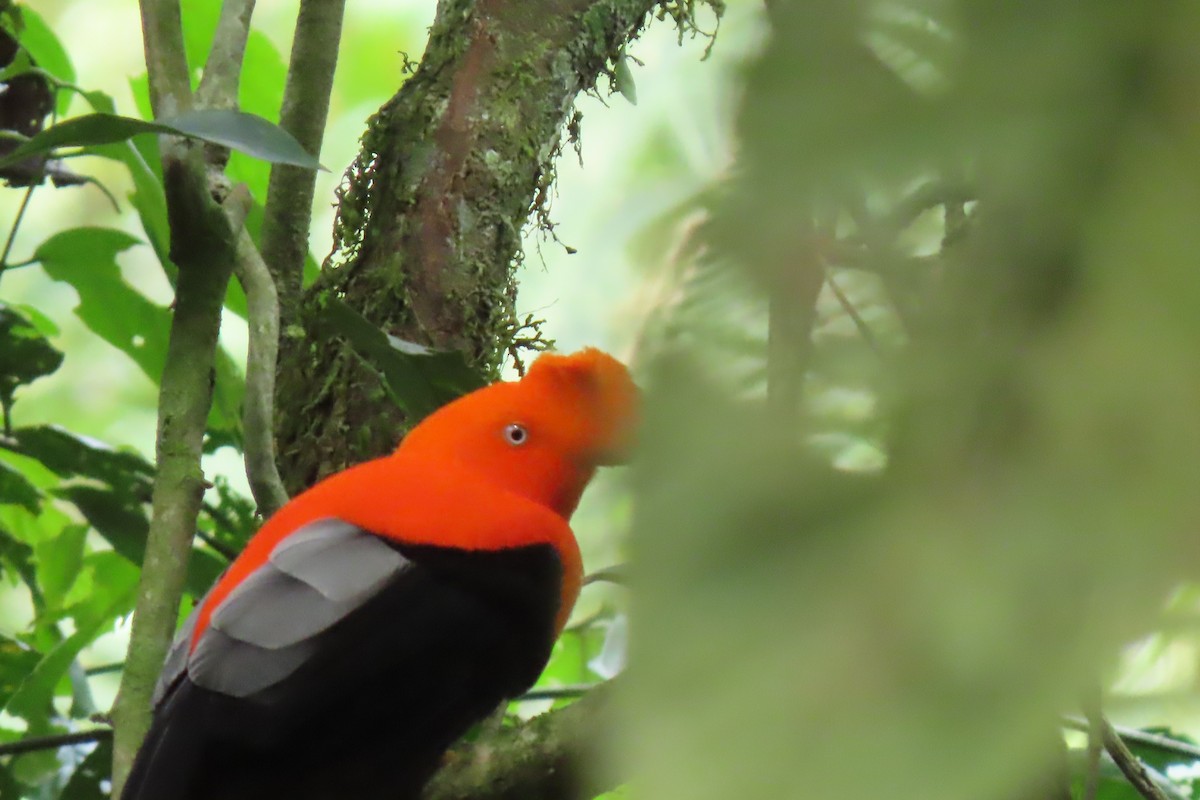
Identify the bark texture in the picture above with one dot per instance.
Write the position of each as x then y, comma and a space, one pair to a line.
430, 216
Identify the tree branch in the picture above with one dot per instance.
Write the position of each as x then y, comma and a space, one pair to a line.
1163, 743
166, 58
288, 213
258, 407
550, 757
202, 248
35, 743
1133, 769
223, 68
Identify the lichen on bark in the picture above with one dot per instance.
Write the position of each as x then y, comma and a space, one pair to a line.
428, 231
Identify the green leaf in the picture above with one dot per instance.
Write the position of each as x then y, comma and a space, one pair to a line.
16, 661
118, 313
59, 560
419, 379
1157, 757
25, 354
16, 489
248, 133
18, 557
106, 578
124, 525
624, 80
46, 51
35, 692
68, 456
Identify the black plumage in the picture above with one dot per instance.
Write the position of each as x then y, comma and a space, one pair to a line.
340, 700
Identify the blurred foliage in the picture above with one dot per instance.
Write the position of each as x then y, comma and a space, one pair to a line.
987, 483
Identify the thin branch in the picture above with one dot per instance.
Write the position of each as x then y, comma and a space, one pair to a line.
12, 233
258, 408
617, 574
202, 246
864, 330
166, 58
220, 549
1133, 769
105, 669
288, 212
222, 70
1095, 746
35, 743
558, 692
1163, 743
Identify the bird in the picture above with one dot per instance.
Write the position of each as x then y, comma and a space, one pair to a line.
377, 616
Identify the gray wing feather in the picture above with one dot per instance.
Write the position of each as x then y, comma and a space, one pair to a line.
263, 630
239, 669
177, 658
271, 609
357, 564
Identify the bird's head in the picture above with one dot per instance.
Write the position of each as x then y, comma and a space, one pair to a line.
542, 436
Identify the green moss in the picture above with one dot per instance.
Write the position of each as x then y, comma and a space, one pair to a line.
535, 66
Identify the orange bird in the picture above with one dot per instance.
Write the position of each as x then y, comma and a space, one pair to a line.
378, 615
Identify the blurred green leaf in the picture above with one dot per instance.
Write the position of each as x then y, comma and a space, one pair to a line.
33, 695
419, 379
47, 51
16, 661
122, 316
25, 354
58, 563
17, 556
16, 488
70, 455
624, 80
247, 133
124, 525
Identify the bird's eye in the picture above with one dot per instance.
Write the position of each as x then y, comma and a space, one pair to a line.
515, 434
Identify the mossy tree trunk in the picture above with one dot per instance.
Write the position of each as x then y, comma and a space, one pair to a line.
428, 231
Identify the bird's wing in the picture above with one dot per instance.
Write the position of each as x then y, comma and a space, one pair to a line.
344, 645
263, 630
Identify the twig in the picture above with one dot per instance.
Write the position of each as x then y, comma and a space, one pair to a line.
258, 408
1095, 746
288, 212
617, 574
1133, 769
105, 669
219, 85
12, 233
864, 330
35, 743
1164, 743
202, 246
166, 59
558, 692
220, 549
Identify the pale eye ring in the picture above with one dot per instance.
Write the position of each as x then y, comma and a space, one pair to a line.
515, 434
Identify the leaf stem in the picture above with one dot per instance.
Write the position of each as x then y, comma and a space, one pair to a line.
12, 233
288, 213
